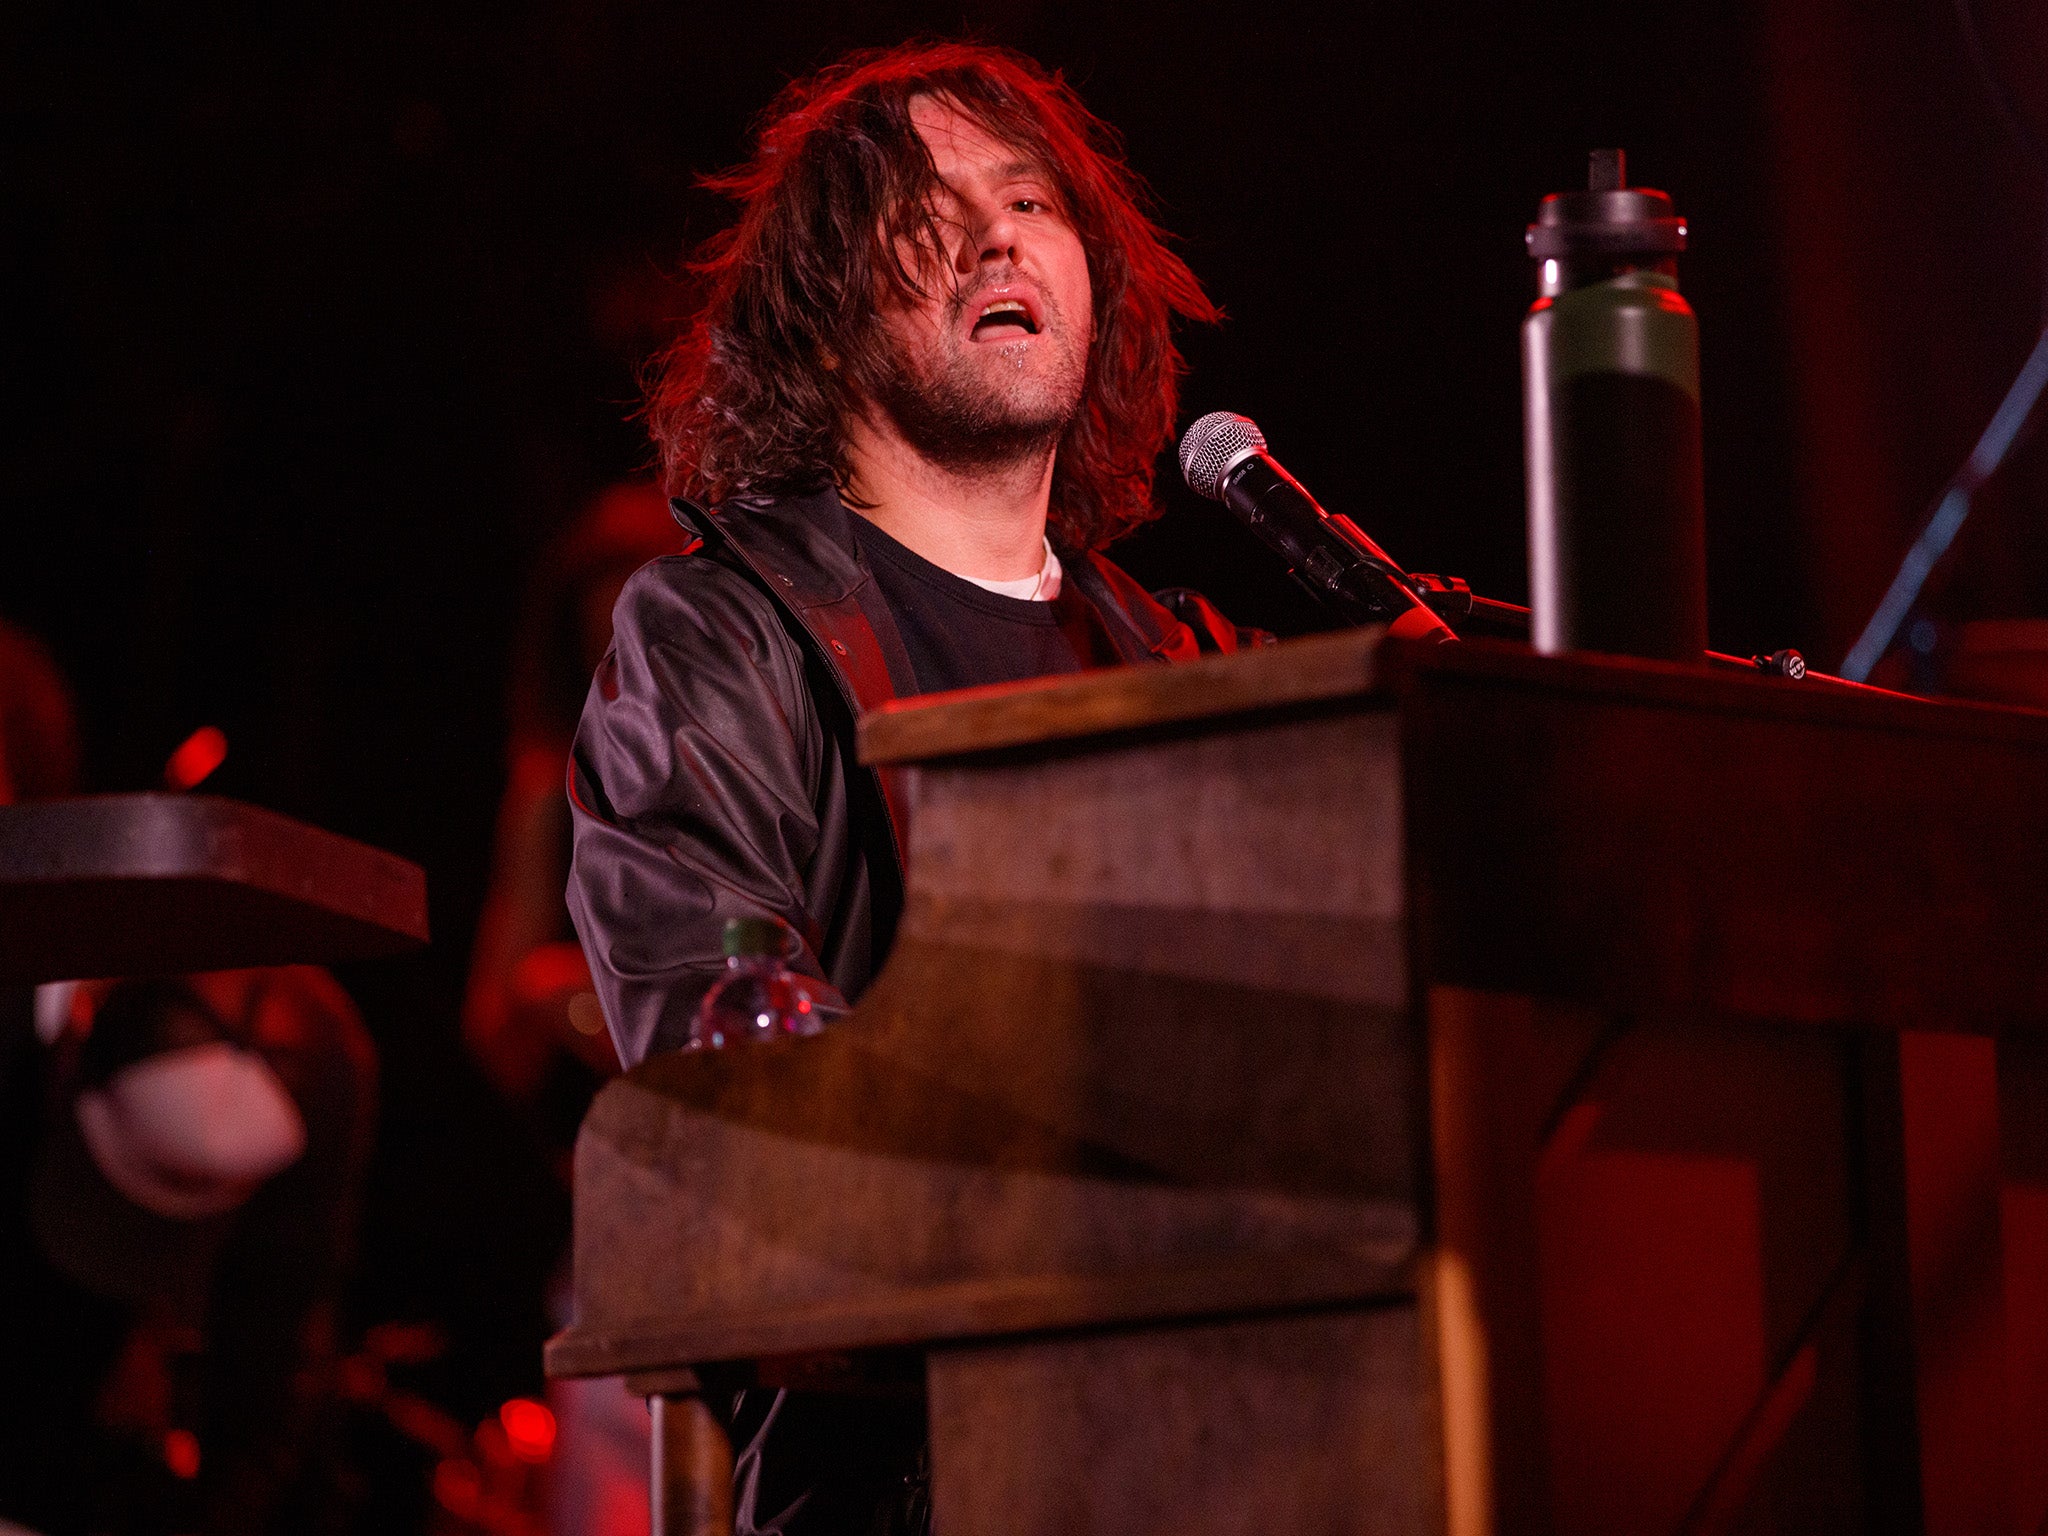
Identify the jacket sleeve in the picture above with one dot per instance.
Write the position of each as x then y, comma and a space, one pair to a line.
692, 789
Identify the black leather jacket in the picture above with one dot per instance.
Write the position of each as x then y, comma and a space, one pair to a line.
714, 773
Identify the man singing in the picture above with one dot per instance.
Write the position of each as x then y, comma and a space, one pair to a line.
928, 381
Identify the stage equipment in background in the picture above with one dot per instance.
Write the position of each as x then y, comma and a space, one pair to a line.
156, 884
1611, 422
1950, 508
1953, 504
1223, 457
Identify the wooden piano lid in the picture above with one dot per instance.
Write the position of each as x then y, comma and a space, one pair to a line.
1052, 709
1323, 670
126, 885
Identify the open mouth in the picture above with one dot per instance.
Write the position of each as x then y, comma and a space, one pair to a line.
1004, 320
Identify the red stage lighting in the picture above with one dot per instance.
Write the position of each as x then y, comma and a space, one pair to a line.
530, 1428
181, 1453
197, 756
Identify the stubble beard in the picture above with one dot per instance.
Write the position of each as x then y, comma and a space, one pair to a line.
975, 414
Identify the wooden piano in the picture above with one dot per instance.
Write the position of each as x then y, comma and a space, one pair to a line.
1339, 1089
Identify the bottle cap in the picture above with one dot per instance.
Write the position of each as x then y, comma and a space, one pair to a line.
756, 936
1609, 220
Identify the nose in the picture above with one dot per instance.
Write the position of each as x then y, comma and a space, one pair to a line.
993, 237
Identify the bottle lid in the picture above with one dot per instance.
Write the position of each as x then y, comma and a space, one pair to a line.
756, 936
1610, 219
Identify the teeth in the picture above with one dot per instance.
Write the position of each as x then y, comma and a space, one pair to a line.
1000, 306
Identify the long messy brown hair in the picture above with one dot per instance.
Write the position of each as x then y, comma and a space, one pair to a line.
785, 346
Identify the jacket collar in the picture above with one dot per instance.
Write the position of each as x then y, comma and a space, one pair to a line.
802, 546
803, 549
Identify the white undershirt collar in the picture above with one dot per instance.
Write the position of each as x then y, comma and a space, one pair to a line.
1042, 588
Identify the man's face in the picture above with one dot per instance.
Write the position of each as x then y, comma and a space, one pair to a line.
991, 362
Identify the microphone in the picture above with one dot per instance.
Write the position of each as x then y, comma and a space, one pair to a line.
1223, 457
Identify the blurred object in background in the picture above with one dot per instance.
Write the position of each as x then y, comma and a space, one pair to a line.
598, 1483
530, 1017
38, 760
198, 755
181, 1161
198, 1177
38, 722
492, 1480
2001, 661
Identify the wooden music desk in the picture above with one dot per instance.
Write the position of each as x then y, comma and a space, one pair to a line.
1335, 1089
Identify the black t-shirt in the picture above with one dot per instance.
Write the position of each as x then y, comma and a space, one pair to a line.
960, 635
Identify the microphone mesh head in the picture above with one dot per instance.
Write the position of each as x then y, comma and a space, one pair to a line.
1212, 446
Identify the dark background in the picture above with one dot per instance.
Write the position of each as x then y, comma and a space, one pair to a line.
320, 320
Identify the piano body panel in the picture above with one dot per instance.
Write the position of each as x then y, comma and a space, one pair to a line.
2023, 1252
1610, 872
1720, 857
1316, 1421
1546, 1044
1024, 1108
1649, 1269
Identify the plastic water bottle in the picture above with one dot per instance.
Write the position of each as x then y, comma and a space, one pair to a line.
759, 997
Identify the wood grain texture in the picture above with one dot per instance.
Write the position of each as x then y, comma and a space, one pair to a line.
1949, 1178
1133, 1131
1061, 712
1296, 1424
2023, 1128
1734, 849
1021, 1121
1639, 1229
1097, 704
1013, 1306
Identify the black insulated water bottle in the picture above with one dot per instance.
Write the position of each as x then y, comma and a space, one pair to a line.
1611, 416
